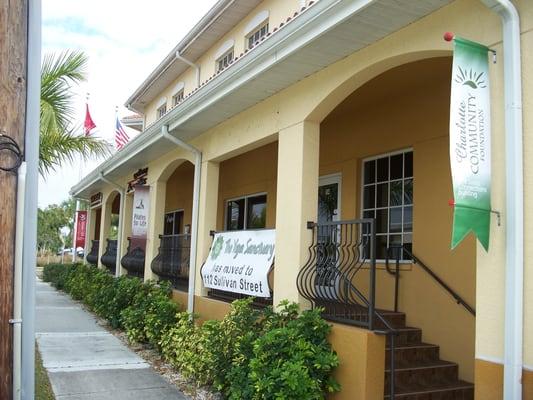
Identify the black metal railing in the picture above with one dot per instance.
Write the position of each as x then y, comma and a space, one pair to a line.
172, 261
133, 260
92, 257
109, 258
338, 251
400, 252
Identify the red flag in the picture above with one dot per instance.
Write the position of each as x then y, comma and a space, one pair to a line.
81, 227
88, 125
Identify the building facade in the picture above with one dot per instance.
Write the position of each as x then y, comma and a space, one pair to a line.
328, 121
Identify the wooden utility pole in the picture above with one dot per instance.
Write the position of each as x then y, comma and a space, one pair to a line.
13, 60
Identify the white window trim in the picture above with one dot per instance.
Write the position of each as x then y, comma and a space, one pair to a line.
258, 20
158, 111
253, 32
245, 208
362, 185
231, 50
174, 96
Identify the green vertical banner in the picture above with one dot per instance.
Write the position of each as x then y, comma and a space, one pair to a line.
470, 141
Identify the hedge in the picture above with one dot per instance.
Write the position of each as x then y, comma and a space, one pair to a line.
249, 354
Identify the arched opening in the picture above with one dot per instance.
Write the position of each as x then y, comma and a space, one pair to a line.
109, 257
384, 157
173, 225
94, 235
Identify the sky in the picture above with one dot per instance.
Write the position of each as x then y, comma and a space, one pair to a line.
124, 40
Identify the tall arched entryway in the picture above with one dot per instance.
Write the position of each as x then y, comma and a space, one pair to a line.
111, 232
384, 157
172, 223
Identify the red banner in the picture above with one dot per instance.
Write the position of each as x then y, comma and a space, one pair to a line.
81, 228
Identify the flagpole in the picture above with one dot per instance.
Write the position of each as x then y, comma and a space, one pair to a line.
80, 175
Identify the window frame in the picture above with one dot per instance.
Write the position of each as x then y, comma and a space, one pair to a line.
245, 198
177, 97
161, 111
362, 194
253, 32
222, 57
179, 210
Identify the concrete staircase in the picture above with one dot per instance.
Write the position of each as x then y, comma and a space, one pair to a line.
420, 374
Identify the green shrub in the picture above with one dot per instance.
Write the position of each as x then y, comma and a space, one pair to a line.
179, 344
150, 313
294, 361
249, 354
57, 274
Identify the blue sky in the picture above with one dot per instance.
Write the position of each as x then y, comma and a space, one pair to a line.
124, 40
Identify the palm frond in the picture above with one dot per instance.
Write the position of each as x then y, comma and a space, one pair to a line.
58, 75
57, 148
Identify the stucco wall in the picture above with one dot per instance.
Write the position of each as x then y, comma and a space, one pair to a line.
278, 10
179, 191
250, 173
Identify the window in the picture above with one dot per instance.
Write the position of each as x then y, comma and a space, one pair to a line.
388, 197
246, 213
161, 111
177, 98
225, 60
173, 224
255, 36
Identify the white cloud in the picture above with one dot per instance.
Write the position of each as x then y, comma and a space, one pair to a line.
125, 41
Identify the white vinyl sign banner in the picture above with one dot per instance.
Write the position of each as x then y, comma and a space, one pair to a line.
239, 262
141, 207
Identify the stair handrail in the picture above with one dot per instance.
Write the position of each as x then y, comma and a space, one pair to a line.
346, 278
416, 261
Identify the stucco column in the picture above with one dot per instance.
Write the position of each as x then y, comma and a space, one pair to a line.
88, 237
105, 225
207, 217
126, 229
297, 199
158, 192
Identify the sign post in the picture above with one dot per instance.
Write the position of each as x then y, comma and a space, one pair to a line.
470, 141
239, 262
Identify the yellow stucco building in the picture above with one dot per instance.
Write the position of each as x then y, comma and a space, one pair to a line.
322, 120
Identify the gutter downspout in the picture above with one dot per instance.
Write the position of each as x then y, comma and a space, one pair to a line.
16, 321
195, 211
31, 155
514, 272
122, 193
193, 65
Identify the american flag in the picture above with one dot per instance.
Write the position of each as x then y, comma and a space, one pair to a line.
121, 137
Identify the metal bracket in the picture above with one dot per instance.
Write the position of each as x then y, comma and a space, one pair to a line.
15, 321
498, 216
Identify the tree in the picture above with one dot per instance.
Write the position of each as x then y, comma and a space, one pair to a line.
50, 221
58, 141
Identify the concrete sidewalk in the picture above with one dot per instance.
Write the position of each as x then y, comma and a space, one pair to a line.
84, 361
